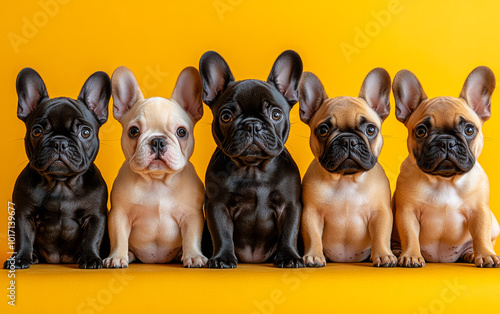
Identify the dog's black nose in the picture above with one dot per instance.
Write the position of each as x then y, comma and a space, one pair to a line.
60, 144
447, 143
158, 144
253, 126
349, 141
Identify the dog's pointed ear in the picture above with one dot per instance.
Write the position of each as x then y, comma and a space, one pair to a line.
95, 94
187, 92
126, 91
376, 90
311, 95
215, 76
408, 94
285, 75
477, 91
31, 91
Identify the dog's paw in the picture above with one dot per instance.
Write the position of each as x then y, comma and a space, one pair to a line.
223, 262
288, 260
487, 261
194, 261
384, 260
90, 262
19, 263
115, 262
408, 260
314, 260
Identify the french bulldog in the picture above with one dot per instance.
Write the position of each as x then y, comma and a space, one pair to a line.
347, 214
252, 183
157, 198
442, 194
60, 197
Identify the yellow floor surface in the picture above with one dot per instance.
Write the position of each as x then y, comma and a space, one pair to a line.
337, 288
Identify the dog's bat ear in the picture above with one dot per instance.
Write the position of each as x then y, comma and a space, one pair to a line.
285, 75
31, 91
187, 92
477, 91
95, 94
408, 94
311, 96
376, 90
215, 76
126, 91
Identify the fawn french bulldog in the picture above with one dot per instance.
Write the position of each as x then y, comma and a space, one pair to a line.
60, 197
346, 196
442, 194
157, 198
252, 183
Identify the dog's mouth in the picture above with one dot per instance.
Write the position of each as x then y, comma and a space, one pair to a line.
253, 150
58, 169
347, 167
446, 168
157, 164
343, 160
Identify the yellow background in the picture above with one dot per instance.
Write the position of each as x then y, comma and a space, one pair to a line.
440, 41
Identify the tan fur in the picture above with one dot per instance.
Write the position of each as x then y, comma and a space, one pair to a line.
441, 219
346, 218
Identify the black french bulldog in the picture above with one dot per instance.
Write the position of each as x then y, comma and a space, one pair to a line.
60, 197
252, 183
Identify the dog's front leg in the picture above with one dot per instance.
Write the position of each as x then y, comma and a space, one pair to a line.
288, 230
221, 228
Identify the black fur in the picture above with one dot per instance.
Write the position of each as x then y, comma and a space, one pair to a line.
60, 197
252, 183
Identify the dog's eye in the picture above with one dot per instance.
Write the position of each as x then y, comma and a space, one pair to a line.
133, 132
469, 130
85, 132
421, 131
371, 130
226, 116
37, 131
323, 131
181, 132
276, 114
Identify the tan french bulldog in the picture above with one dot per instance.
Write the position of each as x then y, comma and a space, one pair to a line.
442, 193
157, 198
346, 195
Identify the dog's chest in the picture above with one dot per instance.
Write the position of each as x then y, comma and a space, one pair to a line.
342, 198
346, 211
443, 223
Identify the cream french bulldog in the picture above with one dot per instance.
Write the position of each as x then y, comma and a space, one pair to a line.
346, 196
157, 198
442, 193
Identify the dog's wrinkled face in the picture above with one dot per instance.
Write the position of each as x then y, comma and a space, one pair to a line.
158, 136
251, 121
157, 132
445, 133
250, 117
345, 131
62, 133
